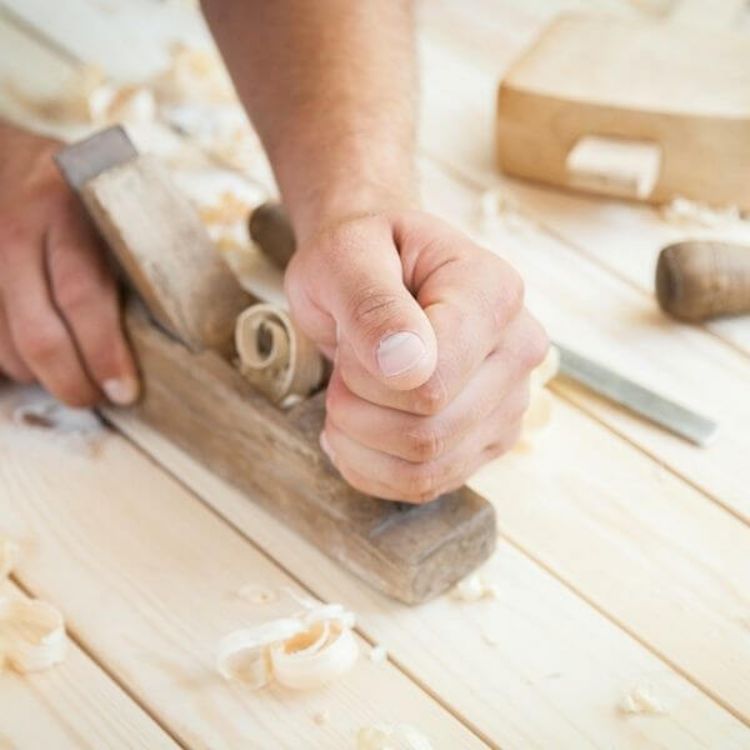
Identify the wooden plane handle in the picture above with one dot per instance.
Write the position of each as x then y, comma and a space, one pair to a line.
698, 280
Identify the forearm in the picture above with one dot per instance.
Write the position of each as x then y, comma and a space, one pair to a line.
330, 87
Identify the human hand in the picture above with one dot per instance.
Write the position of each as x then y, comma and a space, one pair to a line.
59, 313
432, 350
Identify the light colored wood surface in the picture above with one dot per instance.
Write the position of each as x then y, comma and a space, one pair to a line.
557, 667
148, 579
74, 706
613, 571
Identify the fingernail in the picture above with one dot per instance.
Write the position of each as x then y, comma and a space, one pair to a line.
121, 391
324, 444
399, 352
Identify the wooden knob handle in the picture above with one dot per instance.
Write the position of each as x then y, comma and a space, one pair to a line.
698, 280
272, 231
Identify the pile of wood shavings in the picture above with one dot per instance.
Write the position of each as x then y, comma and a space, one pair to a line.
32, 632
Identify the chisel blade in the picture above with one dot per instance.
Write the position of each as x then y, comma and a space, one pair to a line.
658, 409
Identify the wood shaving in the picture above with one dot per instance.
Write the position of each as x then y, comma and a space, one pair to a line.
499, 209
274, 356
641, 700
193, 75
392, 737
686, 213
32, 635
473, 588
308, 650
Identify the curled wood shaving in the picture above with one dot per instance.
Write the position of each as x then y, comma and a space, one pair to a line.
307, 650
641, 700
32, 635
32, 632
274, 356
392, 737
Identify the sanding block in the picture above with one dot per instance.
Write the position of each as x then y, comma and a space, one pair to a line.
184, 302
637, 109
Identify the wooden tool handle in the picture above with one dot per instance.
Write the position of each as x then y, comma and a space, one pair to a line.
272, 231
698, 280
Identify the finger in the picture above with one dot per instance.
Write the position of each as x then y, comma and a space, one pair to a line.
416, 437
85, 292
522, 348
10, 361
415, 481
38, 333
358, 280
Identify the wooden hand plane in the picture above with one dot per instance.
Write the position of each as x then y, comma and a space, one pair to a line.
180, 317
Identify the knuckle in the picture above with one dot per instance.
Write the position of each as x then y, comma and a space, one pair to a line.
432, 397
425, 442
419, 481
535, 348
13, 231
41, 342
74, 294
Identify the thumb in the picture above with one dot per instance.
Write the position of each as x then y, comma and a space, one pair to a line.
378, 320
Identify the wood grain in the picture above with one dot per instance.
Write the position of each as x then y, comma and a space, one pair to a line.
74, 706
148, 579
556, 667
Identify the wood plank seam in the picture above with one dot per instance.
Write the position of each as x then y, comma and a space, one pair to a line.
423, 686
518, 546
591, 414
626, 630
105, 669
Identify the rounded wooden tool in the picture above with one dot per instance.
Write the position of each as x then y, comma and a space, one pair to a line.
698, 280
272, 231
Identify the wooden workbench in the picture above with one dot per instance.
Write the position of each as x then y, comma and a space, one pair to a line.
624, 553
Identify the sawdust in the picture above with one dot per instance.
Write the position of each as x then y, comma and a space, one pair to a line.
641, 700
392, 737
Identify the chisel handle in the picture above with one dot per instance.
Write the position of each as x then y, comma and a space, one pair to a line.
698, 280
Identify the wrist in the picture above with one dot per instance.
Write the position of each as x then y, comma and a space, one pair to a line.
320, 210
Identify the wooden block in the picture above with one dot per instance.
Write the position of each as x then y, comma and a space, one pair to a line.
682, 90
158, 239
207, 408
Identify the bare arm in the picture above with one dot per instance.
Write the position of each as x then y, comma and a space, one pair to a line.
330, 86
431, 343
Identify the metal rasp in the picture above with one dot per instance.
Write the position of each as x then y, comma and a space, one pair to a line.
658, 409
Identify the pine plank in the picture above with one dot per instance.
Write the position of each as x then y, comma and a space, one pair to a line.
556, 667
74, 706
147, 578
